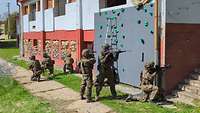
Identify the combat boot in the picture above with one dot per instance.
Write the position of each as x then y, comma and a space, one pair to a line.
97, 98
82, 97
89, 100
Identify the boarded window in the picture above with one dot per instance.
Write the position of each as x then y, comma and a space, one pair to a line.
59, 7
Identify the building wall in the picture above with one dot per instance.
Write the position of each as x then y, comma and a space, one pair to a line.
183, 11
182, 40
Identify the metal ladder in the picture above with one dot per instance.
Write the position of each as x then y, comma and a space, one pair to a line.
112, 37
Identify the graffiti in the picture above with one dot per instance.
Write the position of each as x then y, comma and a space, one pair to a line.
39, 47
73, 45
64, 48
48, 47
55, 49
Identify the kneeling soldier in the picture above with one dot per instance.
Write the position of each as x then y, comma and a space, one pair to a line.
36, 69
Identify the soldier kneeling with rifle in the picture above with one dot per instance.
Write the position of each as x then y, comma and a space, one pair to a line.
35, 67
151, 91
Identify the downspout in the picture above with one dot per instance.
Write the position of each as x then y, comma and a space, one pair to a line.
21, 42
156, 37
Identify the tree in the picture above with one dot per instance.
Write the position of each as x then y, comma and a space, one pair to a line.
11, 30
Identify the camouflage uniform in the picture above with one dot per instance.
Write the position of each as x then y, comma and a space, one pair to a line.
86, 66
106, 71
48, 64
147, 78
68, 67
36, 69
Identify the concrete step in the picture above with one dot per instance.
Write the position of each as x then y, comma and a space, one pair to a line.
187, 96
195, 76
192, 89
194, 83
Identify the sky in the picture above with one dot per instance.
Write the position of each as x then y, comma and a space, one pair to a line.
4, 8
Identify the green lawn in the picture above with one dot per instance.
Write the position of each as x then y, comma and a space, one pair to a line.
15, 99
119, 105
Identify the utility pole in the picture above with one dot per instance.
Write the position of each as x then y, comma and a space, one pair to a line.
8, 20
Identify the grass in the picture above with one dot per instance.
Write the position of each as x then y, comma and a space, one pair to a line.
119, 105
15, 99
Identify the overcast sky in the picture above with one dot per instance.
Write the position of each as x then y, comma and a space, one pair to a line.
4, 6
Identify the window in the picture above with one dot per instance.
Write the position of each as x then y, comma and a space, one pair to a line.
49, 4
25, 10
59, 8
38, 5
71, 1
32, 12
111, 3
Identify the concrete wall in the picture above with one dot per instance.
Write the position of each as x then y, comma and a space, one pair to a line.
49, 20
32, 26
135, 34
26, 23
39, 23
89, 8
67, 21
183, 11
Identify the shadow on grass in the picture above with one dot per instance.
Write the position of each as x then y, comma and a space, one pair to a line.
119, 97
8, 44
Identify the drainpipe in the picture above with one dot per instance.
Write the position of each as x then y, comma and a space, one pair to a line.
156, 37
21, 42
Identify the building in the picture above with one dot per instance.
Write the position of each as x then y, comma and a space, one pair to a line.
58, 26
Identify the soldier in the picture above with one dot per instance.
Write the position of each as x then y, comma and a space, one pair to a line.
150, 76
86, 66
106, 70
48, 64
147, 78
68, 67
36, 69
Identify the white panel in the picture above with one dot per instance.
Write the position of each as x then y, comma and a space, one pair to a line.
89, 8
49, 20
183, 11
39, 21
32, 26
135, 34
67, 21
26, 23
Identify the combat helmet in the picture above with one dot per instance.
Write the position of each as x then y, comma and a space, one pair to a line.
149, 65
106, 46
86, 53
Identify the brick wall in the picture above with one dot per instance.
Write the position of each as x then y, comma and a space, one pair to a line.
182, 52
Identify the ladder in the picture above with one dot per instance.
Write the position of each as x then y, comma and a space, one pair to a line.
112, 39
111, 33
